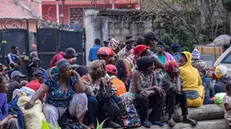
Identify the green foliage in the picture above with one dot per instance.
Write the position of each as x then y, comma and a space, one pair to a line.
100, 126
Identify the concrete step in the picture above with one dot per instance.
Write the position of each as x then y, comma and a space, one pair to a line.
209, 124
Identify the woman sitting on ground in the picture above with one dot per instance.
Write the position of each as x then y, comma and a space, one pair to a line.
63, 91
97, 89
192, 83
6, 121
171, 83
147, 94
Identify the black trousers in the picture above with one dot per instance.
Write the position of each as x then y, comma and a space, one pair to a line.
172, 98
155, 102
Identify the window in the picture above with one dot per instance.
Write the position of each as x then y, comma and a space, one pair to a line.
227, 59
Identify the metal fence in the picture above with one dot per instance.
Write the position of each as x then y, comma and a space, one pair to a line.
52, 40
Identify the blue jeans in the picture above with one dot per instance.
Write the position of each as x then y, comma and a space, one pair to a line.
116, 99
92, 108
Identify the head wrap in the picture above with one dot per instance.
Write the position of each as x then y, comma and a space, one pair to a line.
200, 65
114, 44
196, 54
139, 49
171, 66
145, 62
221, 71
105, 51
176, 47
110, 68
63, 63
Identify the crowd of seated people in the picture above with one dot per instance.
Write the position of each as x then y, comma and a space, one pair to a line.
142, 71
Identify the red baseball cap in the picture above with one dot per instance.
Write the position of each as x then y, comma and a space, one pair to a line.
110, 68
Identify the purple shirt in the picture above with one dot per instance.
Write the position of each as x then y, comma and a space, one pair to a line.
3, 106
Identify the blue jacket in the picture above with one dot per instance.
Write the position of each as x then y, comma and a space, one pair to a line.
14, 109
93, 53
209, 89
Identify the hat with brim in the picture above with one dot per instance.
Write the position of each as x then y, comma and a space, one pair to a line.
129, 39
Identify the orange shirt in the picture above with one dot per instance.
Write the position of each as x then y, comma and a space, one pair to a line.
119, 85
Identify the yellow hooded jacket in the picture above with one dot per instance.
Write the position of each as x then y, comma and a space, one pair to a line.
190, 76
192, 81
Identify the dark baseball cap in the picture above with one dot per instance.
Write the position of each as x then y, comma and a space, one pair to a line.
71, 51
16, 74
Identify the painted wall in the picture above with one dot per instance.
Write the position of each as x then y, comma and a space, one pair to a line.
9, 24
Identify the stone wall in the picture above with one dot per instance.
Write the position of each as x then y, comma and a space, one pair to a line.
114, 24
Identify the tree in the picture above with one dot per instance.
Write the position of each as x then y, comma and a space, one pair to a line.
191, 21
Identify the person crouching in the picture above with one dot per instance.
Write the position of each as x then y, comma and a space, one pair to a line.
171, 83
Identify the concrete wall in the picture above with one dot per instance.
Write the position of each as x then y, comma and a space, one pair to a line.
112, 26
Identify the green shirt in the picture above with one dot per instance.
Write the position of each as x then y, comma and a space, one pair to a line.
162, 60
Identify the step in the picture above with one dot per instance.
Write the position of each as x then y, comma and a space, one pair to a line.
209, 124
204, 112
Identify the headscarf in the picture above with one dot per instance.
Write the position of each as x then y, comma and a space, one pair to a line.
196, 54
145, 62
105, 51
200, 65
63, 63
140, 49
221, 71
171, 66
114, 44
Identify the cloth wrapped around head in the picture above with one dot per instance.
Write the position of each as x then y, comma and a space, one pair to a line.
172, 66
139, 49
114, 44
63, 63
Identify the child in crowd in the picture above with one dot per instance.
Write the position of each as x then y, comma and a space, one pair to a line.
206, 81
227, 103
6, 121
112, 72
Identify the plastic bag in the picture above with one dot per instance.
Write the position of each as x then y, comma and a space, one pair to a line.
218, 99
46, 125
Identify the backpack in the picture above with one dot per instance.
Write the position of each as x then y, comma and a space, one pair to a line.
130, 117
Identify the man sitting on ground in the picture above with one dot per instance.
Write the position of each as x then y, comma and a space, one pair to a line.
37, 80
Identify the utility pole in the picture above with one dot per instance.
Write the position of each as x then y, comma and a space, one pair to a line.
63, 11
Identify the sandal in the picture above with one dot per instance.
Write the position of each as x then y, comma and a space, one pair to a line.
147, 124
191, 121
171, 123
159, 123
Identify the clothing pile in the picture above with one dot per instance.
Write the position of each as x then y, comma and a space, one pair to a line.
128, 111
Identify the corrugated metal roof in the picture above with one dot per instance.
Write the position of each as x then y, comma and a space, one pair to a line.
10, 10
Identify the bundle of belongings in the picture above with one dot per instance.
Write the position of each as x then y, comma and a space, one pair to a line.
27, 119
128, 111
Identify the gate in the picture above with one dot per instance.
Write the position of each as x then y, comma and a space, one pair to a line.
18, 37
52, 40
